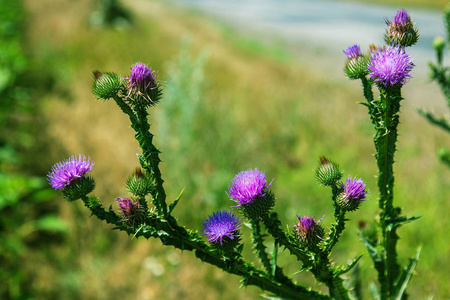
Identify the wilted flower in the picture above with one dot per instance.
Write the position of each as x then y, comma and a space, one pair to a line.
390, 66
354, 192
222, 228
308, 231
64, 172
129, 208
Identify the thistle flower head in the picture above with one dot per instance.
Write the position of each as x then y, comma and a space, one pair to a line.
308, 231
143, 83
128, 208
353, 52
249, 191
222, 229
390, 66
66, 171
401, 30
247, 186
140, 76
354, 192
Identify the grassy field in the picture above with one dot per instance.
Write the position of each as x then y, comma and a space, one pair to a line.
231, 103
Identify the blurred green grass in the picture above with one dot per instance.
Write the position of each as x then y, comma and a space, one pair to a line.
231, 103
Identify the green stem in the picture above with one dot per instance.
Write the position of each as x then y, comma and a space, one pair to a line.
183, 239
272, 224
151, 156
385, 140
338, 227
258, 243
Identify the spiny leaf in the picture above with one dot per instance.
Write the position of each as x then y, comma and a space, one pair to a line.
349, 266
433, 119
175, 202
405, 276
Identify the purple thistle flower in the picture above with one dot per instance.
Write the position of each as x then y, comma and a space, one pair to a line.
354, 192
353, 52
247, 186
141, 81
400, 19
401, 30
308, 230
222, 225
140, 76
64, 172
355, 189
128, 208
390, 66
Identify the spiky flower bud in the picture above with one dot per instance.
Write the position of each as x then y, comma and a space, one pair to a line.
353, 194
139, 183
69, 176
308, 232
328, 173
250, 191
106, 85
222, 230
401, 31
143, 87
356, 64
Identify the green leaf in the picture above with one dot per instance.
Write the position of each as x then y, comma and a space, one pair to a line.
433, 119
175, 202
400, 221
349, 266
405, 276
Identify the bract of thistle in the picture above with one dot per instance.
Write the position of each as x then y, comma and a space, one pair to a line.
308, 231
64, 172
390, 66
222, 229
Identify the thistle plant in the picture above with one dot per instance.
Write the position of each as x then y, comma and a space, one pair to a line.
147, 213
441, 75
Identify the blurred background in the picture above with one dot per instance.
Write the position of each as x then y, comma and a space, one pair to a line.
248, 84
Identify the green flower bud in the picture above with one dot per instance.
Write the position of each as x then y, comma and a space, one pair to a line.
106, 85
328, 172
139, 183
